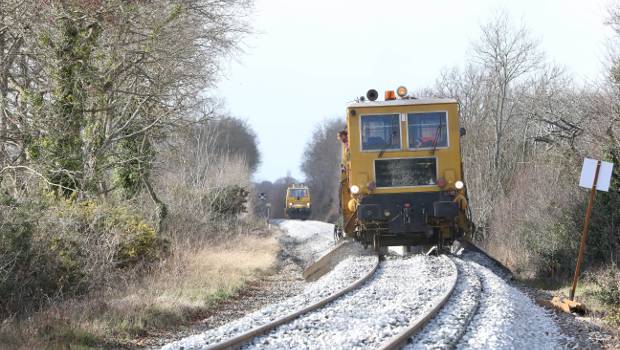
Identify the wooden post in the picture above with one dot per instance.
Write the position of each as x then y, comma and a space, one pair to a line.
584, 235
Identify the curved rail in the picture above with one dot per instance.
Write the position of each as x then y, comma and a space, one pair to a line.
469, 317
397, 341
238, 341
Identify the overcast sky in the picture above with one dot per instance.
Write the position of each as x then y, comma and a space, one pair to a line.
308, 59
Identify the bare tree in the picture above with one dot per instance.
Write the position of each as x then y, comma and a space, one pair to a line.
233, 136
528, 128
505, 54
321, 165
489, 91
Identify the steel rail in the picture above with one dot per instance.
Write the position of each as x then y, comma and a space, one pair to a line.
452, 344
241, 339
397, 341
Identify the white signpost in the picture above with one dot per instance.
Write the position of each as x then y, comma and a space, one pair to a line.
595, 175
588, 173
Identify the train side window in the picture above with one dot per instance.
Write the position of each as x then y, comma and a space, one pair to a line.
428, 130
380, 132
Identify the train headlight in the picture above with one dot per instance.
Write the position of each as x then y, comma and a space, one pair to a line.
401, 91
307, 205
459, 185
355, 189
290, 205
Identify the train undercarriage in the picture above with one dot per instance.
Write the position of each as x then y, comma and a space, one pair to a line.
412, 219
298, 213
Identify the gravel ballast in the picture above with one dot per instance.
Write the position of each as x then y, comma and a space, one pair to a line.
306, 240
446, 329
485, 311
401, 290
345, 273
507, 318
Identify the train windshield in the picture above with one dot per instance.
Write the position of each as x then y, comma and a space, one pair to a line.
380, 132
406, 172
427, 130
297, 192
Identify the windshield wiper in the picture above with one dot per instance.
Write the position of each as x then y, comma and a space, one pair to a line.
386, 146
437, 136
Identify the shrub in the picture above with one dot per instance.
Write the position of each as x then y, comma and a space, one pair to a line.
551, 247
228, 201
607, 283
15, 253
66, 248
138, 243
33, 266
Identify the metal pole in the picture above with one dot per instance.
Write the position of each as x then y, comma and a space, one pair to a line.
584, 235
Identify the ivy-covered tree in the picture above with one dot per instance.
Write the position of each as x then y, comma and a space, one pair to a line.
89, 89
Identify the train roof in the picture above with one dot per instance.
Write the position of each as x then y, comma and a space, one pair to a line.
402, 102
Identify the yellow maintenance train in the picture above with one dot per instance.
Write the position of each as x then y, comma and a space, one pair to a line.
298, 203
401, 176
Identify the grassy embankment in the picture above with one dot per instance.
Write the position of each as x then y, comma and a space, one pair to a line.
599, 291
185, 286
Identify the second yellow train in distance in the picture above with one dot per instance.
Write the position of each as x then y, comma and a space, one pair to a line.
298, 203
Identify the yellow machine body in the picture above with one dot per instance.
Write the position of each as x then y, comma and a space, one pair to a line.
400, 169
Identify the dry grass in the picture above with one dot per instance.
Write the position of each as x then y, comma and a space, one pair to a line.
216, 271
598, 290
191, 282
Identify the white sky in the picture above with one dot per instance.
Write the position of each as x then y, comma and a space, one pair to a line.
308, 59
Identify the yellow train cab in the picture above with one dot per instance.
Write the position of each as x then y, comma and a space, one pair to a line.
402, 179
298, 203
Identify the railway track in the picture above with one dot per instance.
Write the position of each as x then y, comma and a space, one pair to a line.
419, 312
454, 302
399, 340
451, 323
241, 339
415, 302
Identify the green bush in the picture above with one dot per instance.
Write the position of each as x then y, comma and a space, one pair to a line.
15, 253
138, 243
551, 247
33, 268
607, 284
132, 239
67, 248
